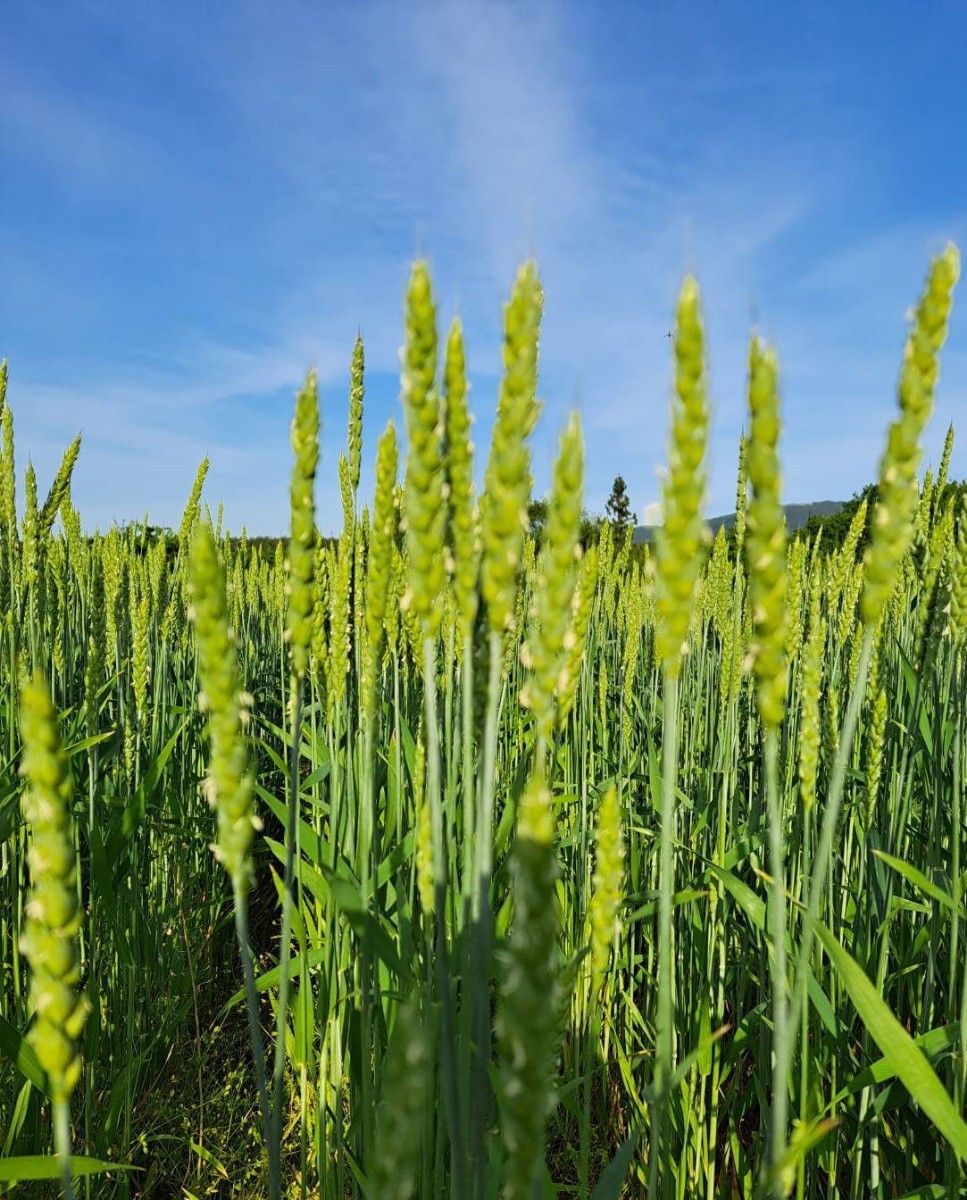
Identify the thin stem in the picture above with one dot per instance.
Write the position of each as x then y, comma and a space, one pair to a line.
665, 1030
62, 1144
255, 1031
777, 929
824, 850
287, 902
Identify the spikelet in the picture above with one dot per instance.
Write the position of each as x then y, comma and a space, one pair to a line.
320, 611
527, 1006
899, 598
8, 481
855, 653
831, 724
897, 495
252, 569
577, 636
844, 559
426, 513
190, 516
78, 547
605, 562
603, 691
631, 596
141, 622
301, 559
347, 497
337, 665
958, 579
399, 1117
60, 488
812, 684
379, 566
547, 650
448, 621
279, 590
30, 531
464, 545
944, 468
356, 393
507, 482
933, 583
57, 565
229, 780
794, 599
874, 754
607, 886
731, 669
846, 618
51, 941
236, 592
360, 557
765, 547
157, 562
716, 584
741, 496
94, 665
921, 524
683, 530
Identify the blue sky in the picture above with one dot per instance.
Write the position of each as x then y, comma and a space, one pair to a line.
199, 201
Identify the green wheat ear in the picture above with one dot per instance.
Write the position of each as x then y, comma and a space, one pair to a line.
547, 650
301, 559
608, 886
426, 513
221, 697
507, 483
897, 501
958, 579
60, 488
356, 393
51, 937
8, 479
463, 517
190, 516
379, 566
811, 690
683, 530
577, 635
765, 547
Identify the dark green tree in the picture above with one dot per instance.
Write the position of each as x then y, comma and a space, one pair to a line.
618, 506
537, 517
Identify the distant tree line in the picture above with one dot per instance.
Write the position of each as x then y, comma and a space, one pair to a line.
618, 513
835, 526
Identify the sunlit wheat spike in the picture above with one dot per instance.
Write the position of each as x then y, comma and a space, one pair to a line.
892, 530
683, 529
51, 935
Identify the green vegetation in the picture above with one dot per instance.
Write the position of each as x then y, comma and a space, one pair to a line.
441, 859
618, 507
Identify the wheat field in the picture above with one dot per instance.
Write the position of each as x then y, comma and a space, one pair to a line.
440, 860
